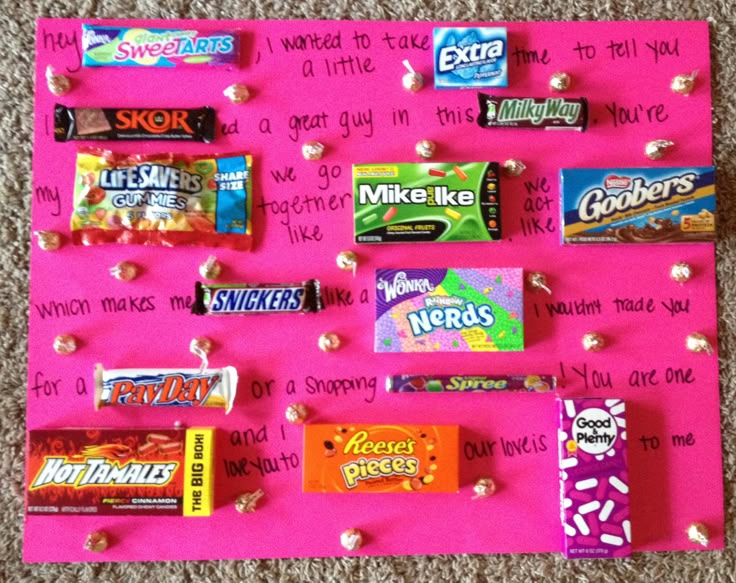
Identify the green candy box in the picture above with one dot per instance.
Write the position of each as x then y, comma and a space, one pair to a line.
428, 202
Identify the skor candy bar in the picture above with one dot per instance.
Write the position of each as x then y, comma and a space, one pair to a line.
104, 45
449, 310
470, 383
380, 458
163, 199
120, 471
419, 203
470, 57
95, 123
638, 205
145, 387
594, 479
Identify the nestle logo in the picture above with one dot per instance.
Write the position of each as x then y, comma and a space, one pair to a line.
614, 181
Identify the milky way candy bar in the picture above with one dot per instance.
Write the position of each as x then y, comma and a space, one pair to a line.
546, 113
95, 123
257, 298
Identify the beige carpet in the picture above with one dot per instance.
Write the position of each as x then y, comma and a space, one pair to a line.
16, 103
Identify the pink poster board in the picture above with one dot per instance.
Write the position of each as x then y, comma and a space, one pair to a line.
355, 104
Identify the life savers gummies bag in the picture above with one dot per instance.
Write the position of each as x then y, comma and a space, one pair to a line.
163, 199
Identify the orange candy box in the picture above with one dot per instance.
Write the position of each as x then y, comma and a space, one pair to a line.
380, 458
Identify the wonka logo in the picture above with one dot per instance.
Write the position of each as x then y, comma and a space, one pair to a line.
401, 285
174, 389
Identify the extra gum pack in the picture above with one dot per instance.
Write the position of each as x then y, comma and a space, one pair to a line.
120, 471
381, 458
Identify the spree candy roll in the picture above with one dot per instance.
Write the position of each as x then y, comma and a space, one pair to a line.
165, 387
163, 199
121, 471
470, 383
594, 479
104, 45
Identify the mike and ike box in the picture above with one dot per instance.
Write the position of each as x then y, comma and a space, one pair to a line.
427, 202
380, 458
166, 472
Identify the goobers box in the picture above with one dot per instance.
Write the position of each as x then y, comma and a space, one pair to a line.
638, 205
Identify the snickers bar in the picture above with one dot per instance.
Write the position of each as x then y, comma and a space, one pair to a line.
257, 298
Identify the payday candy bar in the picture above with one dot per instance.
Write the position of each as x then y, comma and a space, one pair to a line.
428, 202
380, 458
449, 310
121, 471
94, 123
104, 45
470, 383
256, 298
638, 205
163, 199
165, 387
594, 482
548, 113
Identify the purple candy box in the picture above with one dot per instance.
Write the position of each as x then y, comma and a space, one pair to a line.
594, 481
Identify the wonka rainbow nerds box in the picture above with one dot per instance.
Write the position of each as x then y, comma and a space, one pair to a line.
449, 310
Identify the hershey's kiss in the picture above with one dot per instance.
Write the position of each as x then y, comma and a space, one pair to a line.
560, 81
96, 542
124, 271
697, 532
426, 149
65, 344
351, 539
513, 167
329, 342
681, 272
237, 93
656, 149
48, 240
313, 150
593, 342
696, 342
412, 81
246, 503
201, 345
57, 84
297, 413
484, 488
684, 84
211, 268
537, 281
347, 261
